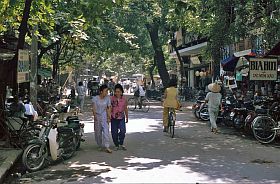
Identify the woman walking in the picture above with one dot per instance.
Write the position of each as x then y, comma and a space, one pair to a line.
102, 117
119, 117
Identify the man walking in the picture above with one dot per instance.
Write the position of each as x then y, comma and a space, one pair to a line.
81, 90
213, 98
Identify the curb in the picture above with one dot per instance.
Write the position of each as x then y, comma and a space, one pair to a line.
9, 156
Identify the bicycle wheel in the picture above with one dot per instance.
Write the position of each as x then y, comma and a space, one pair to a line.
131, 104
171, 124
145, 105
264, 129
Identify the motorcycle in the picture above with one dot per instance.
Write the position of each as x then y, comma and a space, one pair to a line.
53, 143
240, 112
197, 105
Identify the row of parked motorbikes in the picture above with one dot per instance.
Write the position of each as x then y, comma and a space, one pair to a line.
54, 137
259, 116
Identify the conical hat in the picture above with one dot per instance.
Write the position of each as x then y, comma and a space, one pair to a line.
214, 87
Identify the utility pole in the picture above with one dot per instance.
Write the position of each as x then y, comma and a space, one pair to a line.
33, 72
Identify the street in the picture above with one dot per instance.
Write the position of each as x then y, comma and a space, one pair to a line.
195, 155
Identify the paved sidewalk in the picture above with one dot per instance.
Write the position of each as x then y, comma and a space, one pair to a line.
8, 157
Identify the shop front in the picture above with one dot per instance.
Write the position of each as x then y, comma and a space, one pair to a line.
252, 75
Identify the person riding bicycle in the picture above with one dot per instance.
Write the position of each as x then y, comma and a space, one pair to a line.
139, 93
170, 100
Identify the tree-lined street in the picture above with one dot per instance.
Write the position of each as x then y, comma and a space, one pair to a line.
195, 155
218, 58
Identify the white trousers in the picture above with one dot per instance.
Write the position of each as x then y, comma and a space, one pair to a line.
213, 114
101, 131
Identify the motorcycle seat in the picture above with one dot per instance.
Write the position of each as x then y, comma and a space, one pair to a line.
200, 101
261, 111
71, 118
64, 130
240, 109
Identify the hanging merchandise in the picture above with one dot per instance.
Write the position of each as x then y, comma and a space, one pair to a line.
238, 76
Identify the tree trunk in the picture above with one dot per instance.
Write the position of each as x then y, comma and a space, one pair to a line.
21, 40
151, 69
158, 55
14, 62
56, 62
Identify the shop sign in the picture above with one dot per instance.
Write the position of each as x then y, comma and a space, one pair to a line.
23, 66
263, 69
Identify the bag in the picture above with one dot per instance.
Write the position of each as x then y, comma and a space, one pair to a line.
137, 93
35, 116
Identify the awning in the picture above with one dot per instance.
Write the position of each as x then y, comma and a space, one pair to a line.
198, 67
248, 52
193, 50
229, 64
275, 51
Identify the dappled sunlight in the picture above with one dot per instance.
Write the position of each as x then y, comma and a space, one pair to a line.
134, 160
142, 125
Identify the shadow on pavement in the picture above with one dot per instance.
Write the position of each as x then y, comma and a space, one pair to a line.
194, 155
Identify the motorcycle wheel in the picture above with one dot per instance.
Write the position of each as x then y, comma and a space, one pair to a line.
204, 115
34, 157
237, 122
71, 148
264, 129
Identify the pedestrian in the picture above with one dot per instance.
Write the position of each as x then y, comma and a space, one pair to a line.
111, 85
213, 98
102, 117
81, 90
170, 100
119, 117
139, 94
30, 112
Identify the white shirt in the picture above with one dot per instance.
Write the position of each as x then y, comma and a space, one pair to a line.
29, 109
214, 100
141, 90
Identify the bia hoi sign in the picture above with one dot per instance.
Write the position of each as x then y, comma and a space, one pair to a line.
263, 69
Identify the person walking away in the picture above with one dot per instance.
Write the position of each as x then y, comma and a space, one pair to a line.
213, 98
139, 94
102, 116
94, 87
81, 90
119, 117
30, 112
111, 85
170, 100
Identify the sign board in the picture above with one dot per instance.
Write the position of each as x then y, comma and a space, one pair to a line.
263, 69
23, 66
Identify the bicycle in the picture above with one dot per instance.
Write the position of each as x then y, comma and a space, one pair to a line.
133, 103
171, 121
19, 130
265, 124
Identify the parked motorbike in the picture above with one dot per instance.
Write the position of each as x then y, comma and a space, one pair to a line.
240, 112
53, 143
197, 105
